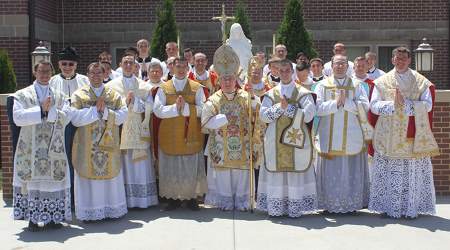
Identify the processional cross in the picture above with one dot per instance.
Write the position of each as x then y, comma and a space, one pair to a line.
223, 20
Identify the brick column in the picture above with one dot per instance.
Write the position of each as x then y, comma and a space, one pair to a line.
5, 150
441, 131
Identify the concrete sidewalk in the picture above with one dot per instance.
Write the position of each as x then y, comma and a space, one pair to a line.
211, 229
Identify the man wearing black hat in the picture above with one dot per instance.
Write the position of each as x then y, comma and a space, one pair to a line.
68, 81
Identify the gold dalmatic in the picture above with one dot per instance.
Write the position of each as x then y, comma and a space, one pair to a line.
181, 135
390, 136
96, 149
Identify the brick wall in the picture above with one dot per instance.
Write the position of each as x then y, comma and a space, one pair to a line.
47, 10
376, 10
441, 131
119, 11
17, 48
5, 151
11, 7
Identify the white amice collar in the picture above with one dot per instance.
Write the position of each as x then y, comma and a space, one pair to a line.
98, 91
179, 83
201, 77
286, 89
258, 86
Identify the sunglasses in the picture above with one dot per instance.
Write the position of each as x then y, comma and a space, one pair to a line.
70, 64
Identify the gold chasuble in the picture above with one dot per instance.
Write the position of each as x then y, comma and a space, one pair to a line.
135, 130
96, 151
292, 147
390, 136
40, 153
229, 146
181, 135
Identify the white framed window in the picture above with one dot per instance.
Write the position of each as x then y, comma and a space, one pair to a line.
117, 51
383, 50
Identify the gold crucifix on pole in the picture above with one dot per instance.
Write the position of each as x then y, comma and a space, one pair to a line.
223, 20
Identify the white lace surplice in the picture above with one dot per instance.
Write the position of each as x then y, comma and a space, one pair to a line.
401, 187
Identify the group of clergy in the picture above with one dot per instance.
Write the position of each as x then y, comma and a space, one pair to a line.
291, 139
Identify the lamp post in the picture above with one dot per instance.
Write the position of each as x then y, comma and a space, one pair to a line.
424, 56
40, 53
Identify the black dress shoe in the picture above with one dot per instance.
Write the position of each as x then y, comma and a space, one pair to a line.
54, 225
172, 205
33, 227
193, 205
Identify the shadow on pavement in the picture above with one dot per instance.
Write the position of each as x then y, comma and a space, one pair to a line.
137, 218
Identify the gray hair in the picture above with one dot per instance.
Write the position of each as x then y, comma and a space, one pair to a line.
154, 65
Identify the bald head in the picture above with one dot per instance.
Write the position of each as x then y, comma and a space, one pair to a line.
339, 49
171, 49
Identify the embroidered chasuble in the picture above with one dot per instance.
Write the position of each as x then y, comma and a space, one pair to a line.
344, 132
40, 153
398, 135
181, 135
229, 146
135, 133
96, 146
292, 147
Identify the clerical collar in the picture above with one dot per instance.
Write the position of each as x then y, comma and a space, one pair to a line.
340, 81
142, 60
201, 77
42, 91
258, 86
124, 76
98, 91
179, 83
68, 78
107, 80
286, 89
155, 83
372, 70
40, 85
317, 79
274, 78
361, 79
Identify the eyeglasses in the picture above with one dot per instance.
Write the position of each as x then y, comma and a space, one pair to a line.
128, 62
70, 64
44, 71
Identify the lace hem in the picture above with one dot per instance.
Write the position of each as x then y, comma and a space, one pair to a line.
286, 206
241, 203
42, 207
402, 187
101, 213
141, 190
142, 202
347, 205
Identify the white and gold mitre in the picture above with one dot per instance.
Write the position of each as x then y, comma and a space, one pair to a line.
226, 61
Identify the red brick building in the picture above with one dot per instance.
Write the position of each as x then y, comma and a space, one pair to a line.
94, 26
